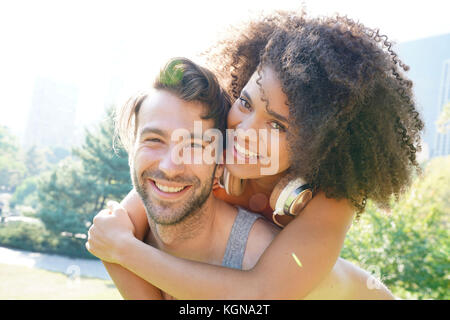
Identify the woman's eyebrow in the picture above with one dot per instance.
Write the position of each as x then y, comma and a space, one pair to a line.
245, 93
276, 115
271, 112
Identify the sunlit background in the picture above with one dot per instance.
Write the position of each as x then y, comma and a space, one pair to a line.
62, 63
97, 52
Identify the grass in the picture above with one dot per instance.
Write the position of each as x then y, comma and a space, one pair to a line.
23, 283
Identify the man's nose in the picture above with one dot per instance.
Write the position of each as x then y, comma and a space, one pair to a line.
170, 166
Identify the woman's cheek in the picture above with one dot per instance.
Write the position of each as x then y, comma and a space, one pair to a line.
233, 117
279, 153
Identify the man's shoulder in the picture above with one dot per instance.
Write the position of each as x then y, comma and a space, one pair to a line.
261, 235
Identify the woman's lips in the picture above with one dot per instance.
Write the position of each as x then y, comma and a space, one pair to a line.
244, 153
239, 155
247, 157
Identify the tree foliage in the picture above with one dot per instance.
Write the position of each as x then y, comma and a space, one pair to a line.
80, 186
35, 161
408, 247
12, 168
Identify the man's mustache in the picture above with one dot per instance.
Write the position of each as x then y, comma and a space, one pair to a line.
162, 176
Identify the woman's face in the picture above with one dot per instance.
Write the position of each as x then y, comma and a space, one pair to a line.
256, 151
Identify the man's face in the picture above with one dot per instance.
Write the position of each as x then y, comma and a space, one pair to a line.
170, 191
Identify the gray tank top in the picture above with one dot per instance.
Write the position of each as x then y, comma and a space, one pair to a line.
237, 241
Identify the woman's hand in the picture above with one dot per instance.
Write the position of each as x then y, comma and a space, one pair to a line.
110, 232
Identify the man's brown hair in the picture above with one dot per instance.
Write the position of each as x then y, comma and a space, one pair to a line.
187, 81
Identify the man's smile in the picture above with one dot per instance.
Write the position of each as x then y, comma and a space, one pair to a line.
168, 190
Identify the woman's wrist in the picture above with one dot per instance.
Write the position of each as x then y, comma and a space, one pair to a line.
122, 247
126, 247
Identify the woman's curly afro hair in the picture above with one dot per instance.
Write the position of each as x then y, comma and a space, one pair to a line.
354, 129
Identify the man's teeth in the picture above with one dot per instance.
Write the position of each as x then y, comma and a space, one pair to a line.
168, 189
245, 152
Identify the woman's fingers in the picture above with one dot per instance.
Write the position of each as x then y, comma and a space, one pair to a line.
116, 208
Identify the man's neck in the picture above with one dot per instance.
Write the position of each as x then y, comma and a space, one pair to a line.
196, 237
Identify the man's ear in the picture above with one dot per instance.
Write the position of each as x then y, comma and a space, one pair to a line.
219, 171
218, 176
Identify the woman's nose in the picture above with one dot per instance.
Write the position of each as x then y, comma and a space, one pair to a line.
246, 123
248, 131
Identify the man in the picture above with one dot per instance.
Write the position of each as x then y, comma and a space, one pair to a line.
185, 219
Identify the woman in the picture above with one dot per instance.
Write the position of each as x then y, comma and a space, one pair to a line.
348, 126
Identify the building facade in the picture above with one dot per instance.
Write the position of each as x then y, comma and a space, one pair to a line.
51, 120
442, 144
428, 59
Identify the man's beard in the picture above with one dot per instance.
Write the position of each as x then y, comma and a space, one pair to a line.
162, 212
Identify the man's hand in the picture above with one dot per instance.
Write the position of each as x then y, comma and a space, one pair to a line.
108, 235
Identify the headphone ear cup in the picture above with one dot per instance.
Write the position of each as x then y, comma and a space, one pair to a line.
290, 196
277, 190
233, 186
300, 202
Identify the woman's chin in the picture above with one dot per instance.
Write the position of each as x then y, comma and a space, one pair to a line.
244, 171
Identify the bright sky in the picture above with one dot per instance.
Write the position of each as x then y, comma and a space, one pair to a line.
87, 43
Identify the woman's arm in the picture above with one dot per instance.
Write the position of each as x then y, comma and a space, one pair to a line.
136, 211
130, 286
316, 237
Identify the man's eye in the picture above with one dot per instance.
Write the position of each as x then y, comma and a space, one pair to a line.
152, 140
196, 145
193, 145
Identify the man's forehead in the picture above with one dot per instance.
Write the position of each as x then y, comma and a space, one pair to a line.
164, 112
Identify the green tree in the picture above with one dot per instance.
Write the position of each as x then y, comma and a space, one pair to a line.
79, 187
56, 154
25, 193
35, 161
12, 168
104, 164
408, 247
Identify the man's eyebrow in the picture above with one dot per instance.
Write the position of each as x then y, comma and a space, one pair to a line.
147, 130
271, 112
157, 131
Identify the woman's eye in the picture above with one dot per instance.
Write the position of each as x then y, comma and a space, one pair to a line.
152, 140
244, 103
278, 126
